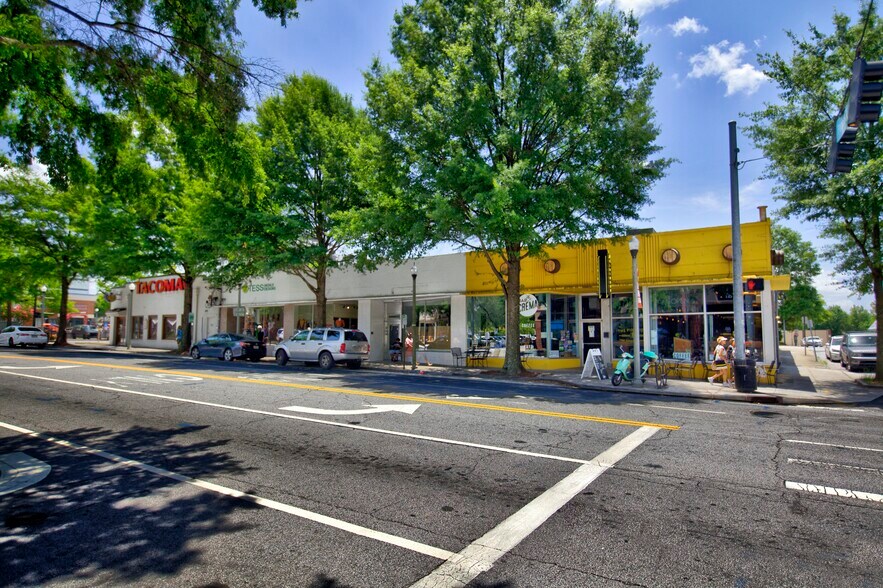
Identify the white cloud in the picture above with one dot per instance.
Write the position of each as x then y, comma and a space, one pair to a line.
724, 61
687, 25
710, 201
640, 7
677, 80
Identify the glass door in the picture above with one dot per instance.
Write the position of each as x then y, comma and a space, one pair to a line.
591, 336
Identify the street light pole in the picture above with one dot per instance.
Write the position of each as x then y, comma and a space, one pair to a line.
636, 327
43, 306
414, 340
238, 306
129, 316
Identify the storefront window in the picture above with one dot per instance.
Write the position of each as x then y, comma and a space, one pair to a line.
681, 300
152, 326
486, 321
623, 323
562, 324
137, 327
677, 336
591, 307
433, 322
169, 327
722, 325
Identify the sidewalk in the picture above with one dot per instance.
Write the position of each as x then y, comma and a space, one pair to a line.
802, 379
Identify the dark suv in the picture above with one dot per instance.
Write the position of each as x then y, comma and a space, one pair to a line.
858, 349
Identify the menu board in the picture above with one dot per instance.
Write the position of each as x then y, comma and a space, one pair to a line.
594, 365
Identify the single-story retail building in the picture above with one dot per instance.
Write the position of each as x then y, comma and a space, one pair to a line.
686, 301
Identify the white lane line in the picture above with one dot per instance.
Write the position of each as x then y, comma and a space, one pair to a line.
675, 408
841, 492
369, 409
19, 470
834, 465
265, 502
480, 556
828, 408
313, 420
832, 445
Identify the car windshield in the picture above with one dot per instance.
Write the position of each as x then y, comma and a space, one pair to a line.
836, 340
863, 340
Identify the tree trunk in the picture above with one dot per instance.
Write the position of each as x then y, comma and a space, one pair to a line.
61, 339
188, 308
321, 298
512, 289
8, 312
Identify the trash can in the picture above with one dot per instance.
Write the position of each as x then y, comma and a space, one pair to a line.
745, 375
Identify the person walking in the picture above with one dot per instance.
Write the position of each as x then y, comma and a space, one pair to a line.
409, 347
720, 360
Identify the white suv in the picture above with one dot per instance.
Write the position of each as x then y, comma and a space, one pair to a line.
326, 345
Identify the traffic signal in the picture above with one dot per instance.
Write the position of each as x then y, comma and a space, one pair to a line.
603, 274
753, 285
864, 90
842, 146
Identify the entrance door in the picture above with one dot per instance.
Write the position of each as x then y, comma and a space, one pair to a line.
591, 337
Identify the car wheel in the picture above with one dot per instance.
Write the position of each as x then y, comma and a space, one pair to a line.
194, 353
228, 354
849, 366
11, 342
281, 357
354, 364
326, 361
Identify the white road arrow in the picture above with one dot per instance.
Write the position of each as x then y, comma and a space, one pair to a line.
371, 409
42, 367
20, 470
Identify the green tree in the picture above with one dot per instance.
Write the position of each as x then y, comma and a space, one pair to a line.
859, 319
513, 124
65, 66
803, 300
801, 260
794, 134
51, 225
836, 320
311, 135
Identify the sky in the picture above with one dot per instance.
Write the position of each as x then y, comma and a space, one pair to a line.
706, 51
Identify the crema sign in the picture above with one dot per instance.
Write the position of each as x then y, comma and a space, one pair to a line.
528, 305
158, 286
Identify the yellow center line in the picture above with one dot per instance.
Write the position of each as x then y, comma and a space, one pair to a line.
392, 396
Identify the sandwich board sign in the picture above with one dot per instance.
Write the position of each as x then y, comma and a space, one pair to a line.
594, 366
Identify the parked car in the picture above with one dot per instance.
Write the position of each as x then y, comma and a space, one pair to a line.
21, 335
812, 342
229, 346
326, 346
84, 332
832, 348
858, 350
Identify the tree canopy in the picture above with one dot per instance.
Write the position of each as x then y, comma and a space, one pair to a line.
515, 124
794, 135
65, 66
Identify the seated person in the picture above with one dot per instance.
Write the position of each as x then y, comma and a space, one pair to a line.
395, 350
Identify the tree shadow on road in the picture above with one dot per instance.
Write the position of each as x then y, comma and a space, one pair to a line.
92, 521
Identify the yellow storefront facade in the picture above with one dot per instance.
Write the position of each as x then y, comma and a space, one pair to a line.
686, 297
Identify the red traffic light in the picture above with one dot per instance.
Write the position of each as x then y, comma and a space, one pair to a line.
754, 285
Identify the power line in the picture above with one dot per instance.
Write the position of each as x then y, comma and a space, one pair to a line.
858, 48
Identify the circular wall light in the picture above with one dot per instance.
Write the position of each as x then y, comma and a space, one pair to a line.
671, 256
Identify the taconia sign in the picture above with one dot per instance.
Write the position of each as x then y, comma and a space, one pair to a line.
164, 285
527, 305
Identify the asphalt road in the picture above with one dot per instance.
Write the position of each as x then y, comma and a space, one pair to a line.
160, 471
